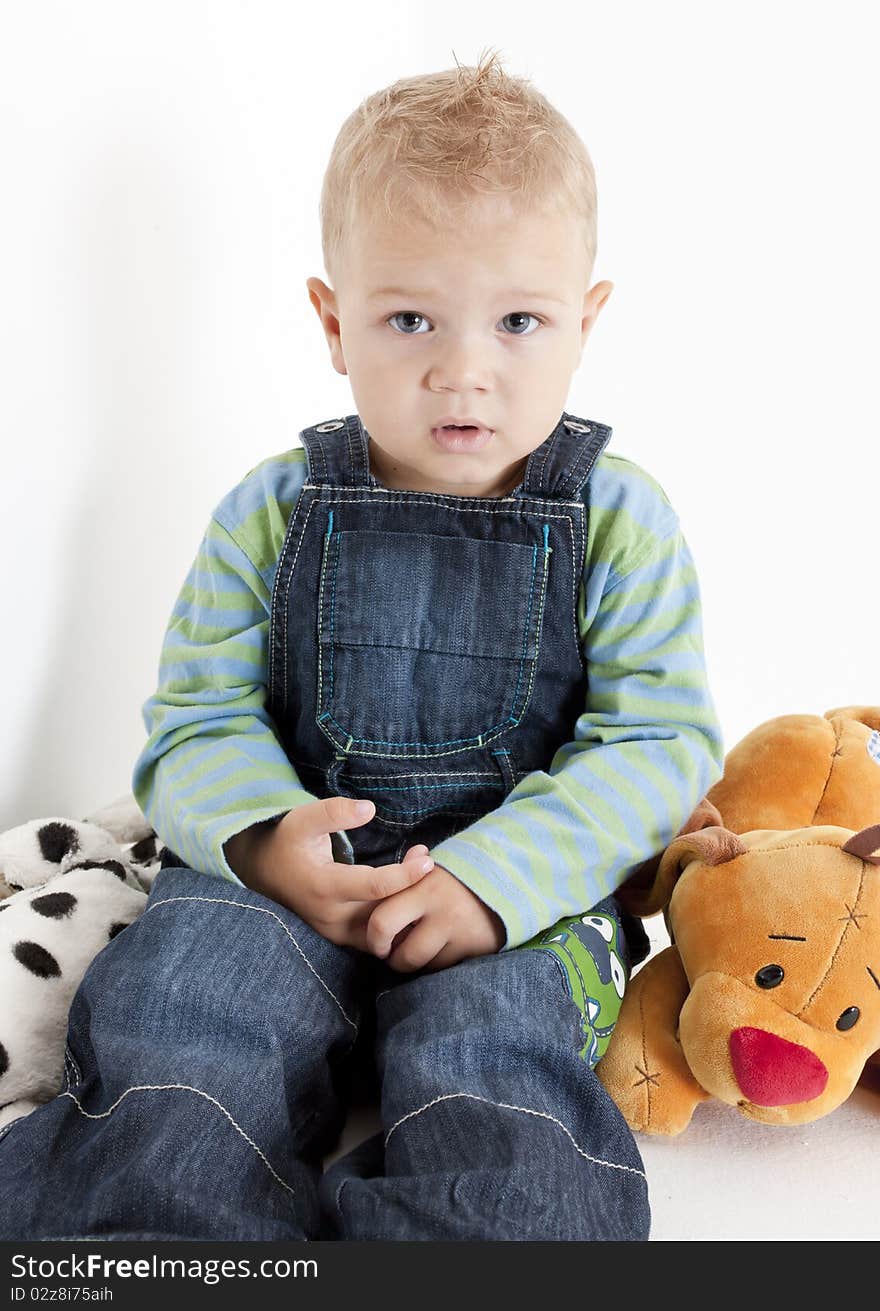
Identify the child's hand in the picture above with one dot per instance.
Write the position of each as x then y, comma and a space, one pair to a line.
292, 862
449, 922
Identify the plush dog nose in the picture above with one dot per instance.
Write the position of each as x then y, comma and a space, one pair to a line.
774, 1072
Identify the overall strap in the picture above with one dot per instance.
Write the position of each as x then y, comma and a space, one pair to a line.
559, 467
337, 454
336, 451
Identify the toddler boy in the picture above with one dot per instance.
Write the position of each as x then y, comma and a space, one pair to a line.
451, 611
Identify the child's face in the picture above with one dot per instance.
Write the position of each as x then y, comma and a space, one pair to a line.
488, 323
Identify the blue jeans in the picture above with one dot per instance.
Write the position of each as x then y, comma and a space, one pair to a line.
211, 1050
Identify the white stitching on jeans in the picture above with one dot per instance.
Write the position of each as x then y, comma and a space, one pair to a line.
486, 505
227, 901
527, 1110
185, 1087
68, 1056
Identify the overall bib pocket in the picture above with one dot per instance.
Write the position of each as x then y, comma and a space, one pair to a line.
457, 618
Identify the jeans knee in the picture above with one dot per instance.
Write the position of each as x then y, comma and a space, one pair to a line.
210, 969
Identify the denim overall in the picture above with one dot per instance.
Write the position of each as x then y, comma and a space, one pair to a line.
423, 654
447, 664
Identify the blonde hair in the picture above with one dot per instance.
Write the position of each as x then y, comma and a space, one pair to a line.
425, 146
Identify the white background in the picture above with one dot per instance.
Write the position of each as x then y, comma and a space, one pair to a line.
161, 166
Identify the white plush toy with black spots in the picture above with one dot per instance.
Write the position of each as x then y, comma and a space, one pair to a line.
67, 887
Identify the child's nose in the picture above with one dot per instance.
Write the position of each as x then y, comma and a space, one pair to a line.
460, 366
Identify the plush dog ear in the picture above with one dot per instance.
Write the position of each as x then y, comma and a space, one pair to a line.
868, 715
714, 845
865, 844
638, 891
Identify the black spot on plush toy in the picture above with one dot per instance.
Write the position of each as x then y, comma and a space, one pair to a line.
67, 888
57, 840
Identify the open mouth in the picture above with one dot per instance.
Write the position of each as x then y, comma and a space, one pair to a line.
461, 436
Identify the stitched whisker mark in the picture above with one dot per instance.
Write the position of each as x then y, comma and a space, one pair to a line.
648, 1082
851, 917
847, 919
647, 1077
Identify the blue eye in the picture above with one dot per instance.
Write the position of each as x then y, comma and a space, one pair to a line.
521, 314
413, 329
407, 314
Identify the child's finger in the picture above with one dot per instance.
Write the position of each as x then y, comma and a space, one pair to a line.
424, 942
389, 917
376, 882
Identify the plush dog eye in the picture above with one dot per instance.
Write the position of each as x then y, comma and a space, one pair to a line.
849, 1017
770, 976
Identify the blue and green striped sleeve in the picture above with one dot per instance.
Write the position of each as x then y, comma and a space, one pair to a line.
645, 749
213, 765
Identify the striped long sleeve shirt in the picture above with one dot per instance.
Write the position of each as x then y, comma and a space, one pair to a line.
646, 747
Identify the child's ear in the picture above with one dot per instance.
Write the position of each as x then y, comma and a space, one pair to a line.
319, 293
601, 292
324, 300
594, 299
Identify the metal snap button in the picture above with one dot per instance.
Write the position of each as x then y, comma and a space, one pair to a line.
330, 426
573, 426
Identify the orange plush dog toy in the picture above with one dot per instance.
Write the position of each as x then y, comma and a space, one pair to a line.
769, 997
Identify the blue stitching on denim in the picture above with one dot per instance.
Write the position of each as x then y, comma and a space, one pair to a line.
529, 611
429, 787
388, 742
333, 607
434, 810
383, 742
456, 774
383, 812
578, 547
528, 619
